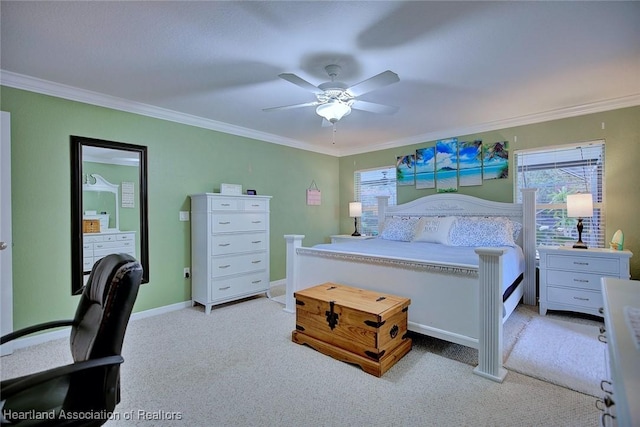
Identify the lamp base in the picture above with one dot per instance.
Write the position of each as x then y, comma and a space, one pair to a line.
580, 245
355, 233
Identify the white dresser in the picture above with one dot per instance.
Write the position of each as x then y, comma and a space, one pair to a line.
229, 247
98, 245
619, 405
570, 278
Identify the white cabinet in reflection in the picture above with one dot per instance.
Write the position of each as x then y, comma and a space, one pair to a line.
98, 245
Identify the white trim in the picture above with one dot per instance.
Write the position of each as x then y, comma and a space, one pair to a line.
45, 87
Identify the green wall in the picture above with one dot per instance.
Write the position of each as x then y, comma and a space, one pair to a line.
182, 160
622, 167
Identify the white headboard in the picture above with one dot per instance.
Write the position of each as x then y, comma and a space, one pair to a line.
454, 204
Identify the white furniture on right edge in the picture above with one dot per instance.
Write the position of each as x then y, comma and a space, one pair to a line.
570, 278
229, 247
620, 405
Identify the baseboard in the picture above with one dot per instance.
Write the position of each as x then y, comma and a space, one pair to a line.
64, 332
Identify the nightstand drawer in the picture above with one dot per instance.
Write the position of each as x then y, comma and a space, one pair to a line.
574, 279
575, 297
582, 263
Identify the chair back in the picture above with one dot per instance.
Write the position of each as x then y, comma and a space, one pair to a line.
105, 307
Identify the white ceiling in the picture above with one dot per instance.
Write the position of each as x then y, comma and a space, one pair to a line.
464, 66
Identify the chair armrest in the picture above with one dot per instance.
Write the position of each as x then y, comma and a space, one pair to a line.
35, 328
61, 371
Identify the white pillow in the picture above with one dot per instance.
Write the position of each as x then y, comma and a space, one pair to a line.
434, 229
480, 231
399, 228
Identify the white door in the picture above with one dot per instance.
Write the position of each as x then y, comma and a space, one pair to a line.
6, 276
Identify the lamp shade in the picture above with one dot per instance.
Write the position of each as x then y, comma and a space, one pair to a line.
580, 205
333, 110
355, 209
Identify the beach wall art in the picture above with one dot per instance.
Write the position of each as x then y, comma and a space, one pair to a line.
447, 165
426, 167
495, 160
470, 163
405, 170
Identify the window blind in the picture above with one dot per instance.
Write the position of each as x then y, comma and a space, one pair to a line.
557, 172
368, 185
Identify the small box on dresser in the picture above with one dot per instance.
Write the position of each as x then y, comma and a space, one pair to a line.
229, 247
570, 278
353, 325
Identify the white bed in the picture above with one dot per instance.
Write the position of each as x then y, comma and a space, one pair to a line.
459, 301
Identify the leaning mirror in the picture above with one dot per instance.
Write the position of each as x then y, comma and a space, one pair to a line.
108, 205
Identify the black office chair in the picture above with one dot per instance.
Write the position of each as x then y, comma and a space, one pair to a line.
85, 392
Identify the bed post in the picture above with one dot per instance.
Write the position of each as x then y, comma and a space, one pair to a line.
383, 202
529, 244
490, 315
294, 241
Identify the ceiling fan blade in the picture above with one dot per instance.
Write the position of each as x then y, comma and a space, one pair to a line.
299, 81
374, 108
289, 107
383, 79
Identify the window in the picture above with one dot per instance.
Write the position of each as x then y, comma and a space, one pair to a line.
368, 185
557, 172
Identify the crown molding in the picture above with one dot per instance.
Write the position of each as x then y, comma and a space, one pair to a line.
562, 113
45, 87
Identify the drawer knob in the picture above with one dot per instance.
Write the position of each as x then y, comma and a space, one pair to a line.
224, 223
581, 298
256, 262
224, 289
224, 244
256, 222
225, 266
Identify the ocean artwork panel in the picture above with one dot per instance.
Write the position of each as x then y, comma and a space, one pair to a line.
405, 169
470, 163
447, 165
426, 167
495, 160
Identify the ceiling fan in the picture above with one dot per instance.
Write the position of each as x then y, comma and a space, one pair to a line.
335, 99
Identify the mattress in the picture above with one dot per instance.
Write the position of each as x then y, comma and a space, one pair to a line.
433, 253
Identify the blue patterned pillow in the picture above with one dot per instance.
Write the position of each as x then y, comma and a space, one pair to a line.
401, 229
479, 231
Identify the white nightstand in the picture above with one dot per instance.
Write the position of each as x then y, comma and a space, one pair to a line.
570, 278
337, 238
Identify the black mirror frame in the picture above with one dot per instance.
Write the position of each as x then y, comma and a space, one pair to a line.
77, 142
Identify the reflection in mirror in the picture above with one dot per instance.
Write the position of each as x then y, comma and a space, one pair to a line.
109, 204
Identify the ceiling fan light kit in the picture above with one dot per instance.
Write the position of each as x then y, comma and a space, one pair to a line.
334, 99
333, 110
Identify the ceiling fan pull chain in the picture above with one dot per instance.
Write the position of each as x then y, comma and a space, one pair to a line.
334, 134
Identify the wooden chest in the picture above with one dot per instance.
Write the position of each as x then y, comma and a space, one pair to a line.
353, 325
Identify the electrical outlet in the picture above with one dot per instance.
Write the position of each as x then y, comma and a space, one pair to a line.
187, 273
184, 216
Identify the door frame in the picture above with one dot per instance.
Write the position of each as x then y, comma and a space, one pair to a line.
6, 257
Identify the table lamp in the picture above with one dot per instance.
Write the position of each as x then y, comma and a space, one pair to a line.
355, 211
580, 206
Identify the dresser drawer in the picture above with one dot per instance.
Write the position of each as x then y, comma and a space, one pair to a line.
255, 205
574, 279
232, 287
224, 204
577, 297
223, 244
119, 237
236, 264
609, 265
226, 223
